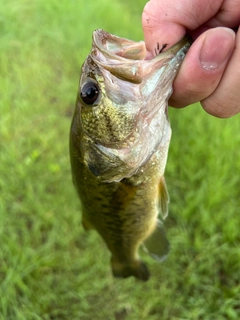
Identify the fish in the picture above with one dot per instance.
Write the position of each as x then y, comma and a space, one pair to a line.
119, 140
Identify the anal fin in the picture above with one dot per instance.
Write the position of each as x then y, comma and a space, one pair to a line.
157, 244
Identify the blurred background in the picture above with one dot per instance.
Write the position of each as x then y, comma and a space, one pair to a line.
49, 267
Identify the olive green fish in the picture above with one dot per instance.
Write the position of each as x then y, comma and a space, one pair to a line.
119, 141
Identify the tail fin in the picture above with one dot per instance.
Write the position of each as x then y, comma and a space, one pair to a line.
136, 268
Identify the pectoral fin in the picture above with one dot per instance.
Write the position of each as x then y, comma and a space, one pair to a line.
163, 198
157, 244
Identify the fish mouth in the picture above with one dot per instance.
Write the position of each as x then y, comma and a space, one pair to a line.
127, 59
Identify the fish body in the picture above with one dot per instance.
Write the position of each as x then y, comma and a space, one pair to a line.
119, 141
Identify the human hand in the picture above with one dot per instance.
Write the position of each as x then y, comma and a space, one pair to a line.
210, 72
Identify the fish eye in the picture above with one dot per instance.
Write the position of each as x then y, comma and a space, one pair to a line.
89, 92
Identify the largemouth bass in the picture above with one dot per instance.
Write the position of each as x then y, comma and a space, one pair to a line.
119, 141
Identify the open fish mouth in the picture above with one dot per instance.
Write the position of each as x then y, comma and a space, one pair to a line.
125, 58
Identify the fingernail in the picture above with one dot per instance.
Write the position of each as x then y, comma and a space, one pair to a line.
217, 47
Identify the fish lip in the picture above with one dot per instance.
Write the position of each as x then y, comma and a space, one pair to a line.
126, 59
128, 49
173, 55
117, 47
182, 44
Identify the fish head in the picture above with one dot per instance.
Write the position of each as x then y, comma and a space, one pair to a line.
122, 103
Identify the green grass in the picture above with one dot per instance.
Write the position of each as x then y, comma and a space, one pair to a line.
49, 267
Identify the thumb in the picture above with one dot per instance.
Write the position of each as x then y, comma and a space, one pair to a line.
166, 21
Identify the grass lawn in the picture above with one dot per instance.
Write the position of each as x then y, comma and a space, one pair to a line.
49, 267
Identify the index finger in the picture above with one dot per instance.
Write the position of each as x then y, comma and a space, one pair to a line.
166, 21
